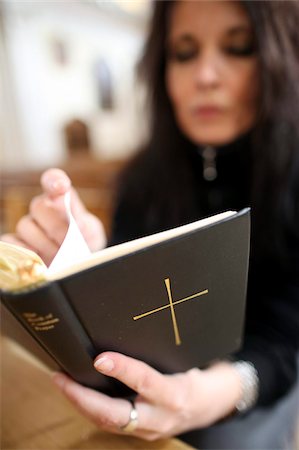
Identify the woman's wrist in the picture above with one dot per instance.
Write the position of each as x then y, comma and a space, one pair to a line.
215, 393
221, 390
243, 395
227, 388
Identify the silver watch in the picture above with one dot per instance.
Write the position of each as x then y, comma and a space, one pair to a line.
249, 384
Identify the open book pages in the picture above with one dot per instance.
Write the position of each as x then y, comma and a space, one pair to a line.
20, 267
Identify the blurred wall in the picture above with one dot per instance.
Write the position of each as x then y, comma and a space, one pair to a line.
68, 60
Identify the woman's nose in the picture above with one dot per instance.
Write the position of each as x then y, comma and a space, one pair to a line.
207, 71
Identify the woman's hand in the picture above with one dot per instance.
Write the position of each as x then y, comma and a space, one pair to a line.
45, 226
167, 405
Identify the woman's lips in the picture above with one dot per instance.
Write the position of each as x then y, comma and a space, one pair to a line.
207, 112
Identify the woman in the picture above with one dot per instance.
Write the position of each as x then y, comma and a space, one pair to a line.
222, 82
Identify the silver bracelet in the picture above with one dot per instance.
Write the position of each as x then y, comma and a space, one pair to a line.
249, 384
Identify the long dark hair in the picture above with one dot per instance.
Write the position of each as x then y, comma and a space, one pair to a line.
275, 139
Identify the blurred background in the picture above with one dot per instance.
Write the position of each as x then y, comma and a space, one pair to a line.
69, 97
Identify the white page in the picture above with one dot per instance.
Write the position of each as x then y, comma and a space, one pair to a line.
73, 248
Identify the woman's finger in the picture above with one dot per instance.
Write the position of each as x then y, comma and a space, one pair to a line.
28, 231
50, 216
140, 377
108, 413
55, 182
112, 414
13, 239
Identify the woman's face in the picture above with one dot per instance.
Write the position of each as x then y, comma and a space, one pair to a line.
212, 72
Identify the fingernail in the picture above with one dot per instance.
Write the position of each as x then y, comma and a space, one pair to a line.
104, 364
59, 380
59, 185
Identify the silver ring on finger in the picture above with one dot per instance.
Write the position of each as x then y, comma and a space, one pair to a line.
132, 423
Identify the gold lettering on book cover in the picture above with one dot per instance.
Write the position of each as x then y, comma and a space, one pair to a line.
171, 305
41, 323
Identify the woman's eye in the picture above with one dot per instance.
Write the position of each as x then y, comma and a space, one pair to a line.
183, 55
240, 50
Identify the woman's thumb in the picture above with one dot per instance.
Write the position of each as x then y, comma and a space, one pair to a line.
55, 182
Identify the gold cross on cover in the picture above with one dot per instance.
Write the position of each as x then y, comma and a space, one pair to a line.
171, 306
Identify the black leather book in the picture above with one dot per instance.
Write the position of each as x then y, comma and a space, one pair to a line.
175, 299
